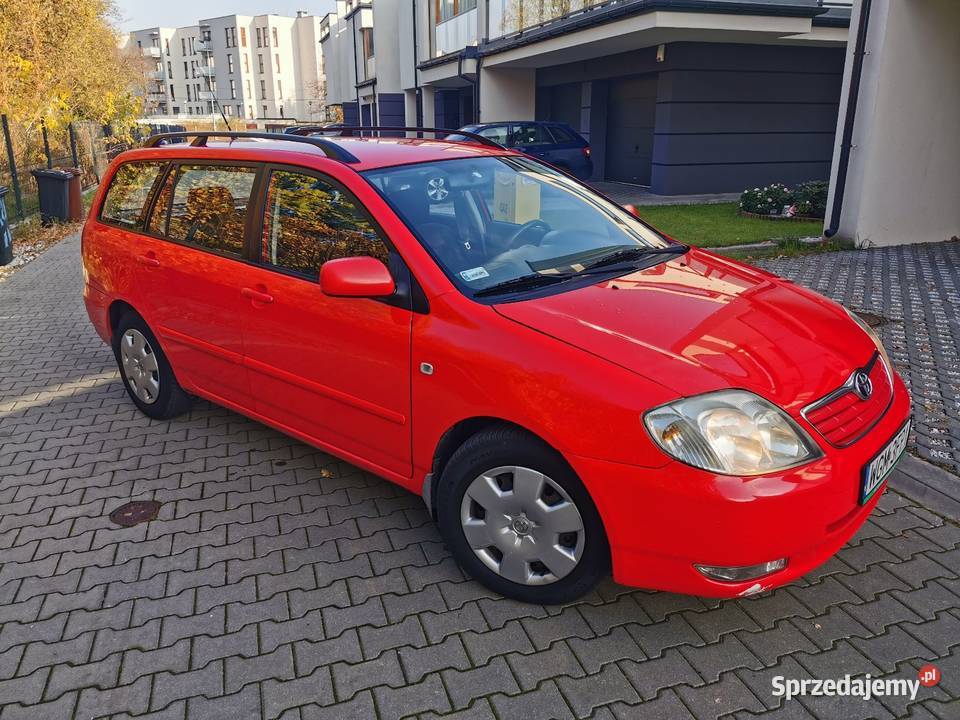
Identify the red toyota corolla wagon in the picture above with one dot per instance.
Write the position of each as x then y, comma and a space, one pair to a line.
570, 391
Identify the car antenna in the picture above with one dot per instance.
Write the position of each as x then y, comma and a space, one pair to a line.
220, 108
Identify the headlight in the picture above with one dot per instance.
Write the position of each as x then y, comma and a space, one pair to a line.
873, 336
732, 432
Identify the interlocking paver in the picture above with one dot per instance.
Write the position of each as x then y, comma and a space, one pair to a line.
277, 580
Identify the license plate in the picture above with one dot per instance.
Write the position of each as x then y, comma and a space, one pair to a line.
877, 469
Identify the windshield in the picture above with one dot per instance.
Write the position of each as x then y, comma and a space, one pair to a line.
493, 220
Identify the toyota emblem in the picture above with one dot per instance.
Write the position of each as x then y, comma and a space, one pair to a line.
862, 385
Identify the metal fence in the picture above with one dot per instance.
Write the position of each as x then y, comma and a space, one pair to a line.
85, 145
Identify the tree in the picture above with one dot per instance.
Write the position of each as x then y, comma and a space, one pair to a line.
60, 60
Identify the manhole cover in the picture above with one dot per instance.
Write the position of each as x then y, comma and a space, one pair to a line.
136, 512
871, 319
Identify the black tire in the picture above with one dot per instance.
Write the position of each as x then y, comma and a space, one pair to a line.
171, 400
504, 446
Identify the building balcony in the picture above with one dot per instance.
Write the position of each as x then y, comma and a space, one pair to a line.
156, 91
206, 71
155, 75
456, 33
151, 52
204, 46
207, 95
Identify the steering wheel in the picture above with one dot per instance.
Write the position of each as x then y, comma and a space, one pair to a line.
527, 227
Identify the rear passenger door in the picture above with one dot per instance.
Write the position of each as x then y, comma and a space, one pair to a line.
188, 275
334, 370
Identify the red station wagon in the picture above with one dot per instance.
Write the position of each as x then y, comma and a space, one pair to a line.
570, 391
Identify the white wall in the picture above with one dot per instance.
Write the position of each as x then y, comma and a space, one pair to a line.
903, 181
507, 94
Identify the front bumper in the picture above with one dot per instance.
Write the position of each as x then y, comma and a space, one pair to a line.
662, 521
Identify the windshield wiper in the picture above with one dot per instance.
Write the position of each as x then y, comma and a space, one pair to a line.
524, 282
633, 253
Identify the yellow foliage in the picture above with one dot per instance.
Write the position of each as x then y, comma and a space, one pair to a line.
61, 61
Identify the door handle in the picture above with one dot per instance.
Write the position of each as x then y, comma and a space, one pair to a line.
256, 295
148, 261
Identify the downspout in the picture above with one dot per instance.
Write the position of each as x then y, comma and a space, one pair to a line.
846, 143
467, 53
356, 69
418, 101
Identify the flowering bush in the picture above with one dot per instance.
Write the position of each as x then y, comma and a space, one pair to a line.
808, 199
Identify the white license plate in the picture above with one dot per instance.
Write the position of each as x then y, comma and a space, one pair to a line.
877, 469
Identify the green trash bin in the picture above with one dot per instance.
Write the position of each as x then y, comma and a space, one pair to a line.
6, 240
54, 189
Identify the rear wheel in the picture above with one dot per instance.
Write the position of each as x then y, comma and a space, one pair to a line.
145, 370
518, 519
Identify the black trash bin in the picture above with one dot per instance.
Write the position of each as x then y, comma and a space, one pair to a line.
54, 188
6, 241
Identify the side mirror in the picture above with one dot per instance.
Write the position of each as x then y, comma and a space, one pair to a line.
632, 210
359, 276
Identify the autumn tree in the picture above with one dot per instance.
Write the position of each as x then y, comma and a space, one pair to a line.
61, 60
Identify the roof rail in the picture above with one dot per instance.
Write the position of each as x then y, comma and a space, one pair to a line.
305, 130
330, 149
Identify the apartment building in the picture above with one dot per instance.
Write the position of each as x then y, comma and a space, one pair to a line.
249, 67
683, 96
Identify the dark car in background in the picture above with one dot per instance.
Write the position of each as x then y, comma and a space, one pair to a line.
557, 143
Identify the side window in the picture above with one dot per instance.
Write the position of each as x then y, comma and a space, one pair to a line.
209, 206
527, 134
309, 221
497, 133
126, 201
561, 135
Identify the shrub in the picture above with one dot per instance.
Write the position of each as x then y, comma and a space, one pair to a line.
811, 198
768, 200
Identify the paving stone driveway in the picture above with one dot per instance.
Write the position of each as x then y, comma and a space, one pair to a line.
280, 582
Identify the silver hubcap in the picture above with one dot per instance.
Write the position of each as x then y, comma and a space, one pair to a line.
437, 189
140, 366
522, 525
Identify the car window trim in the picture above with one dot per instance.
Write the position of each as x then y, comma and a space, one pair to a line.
151, 195
408, 294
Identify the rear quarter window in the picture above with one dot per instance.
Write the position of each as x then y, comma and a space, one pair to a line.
126, 201
561, 135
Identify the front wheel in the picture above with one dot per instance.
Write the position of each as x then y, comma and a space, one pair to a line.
518, 519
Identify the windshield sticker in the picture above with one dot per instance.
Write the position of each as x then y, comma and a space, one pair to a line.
474, 274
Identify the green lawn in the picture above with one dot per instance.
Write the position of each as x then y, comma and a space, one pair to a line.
719, 225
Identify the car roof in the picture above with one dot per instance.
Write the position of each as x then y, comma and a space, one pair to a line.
371, 152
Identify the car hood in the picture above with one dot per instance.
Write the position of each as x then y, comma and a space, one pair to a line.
701, 322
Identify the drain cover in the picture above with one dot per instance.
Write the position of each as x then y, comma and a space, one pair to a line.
136, 512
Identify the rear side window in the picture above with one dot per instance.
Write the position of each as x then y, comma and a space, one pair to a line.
209, 206
528, 135
309, 221
561, 134
497, 133
126, 201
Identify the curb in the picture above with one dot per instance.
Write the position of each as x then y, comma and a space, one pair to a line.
929, 485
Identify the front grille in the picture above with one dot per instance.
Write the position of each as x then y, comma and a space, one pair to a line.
843, 416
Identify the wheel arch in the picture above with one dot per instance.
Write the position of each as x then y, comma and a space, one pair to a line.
453, 438
119, 308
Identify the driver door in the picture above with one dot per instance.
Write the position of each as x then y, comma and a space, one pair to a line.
333, 370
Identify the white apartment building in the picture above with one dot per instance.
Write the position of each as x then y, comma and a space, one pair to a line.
249, 67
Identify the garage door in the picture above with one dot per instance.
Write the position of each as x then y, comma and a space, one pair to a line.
630, 118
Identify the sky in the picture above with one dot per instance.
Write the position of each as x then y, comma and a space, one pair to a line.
138, 14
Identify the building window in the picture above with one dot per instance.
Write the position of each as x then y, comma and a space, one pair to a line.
250, 111
259, 38
176, 109
205, 36
243, 37
246, 63
193, 50
260, 62
228, 109
264, 111
239, 110
167, 45
263, 89
276, 43
173, 95
188, 94
230, 63
277, 61
233, 89
249, 93
169, 69
279, 89
367, 34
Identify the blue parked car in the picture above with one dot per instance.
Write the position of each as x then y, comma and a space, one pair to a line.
555, 142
